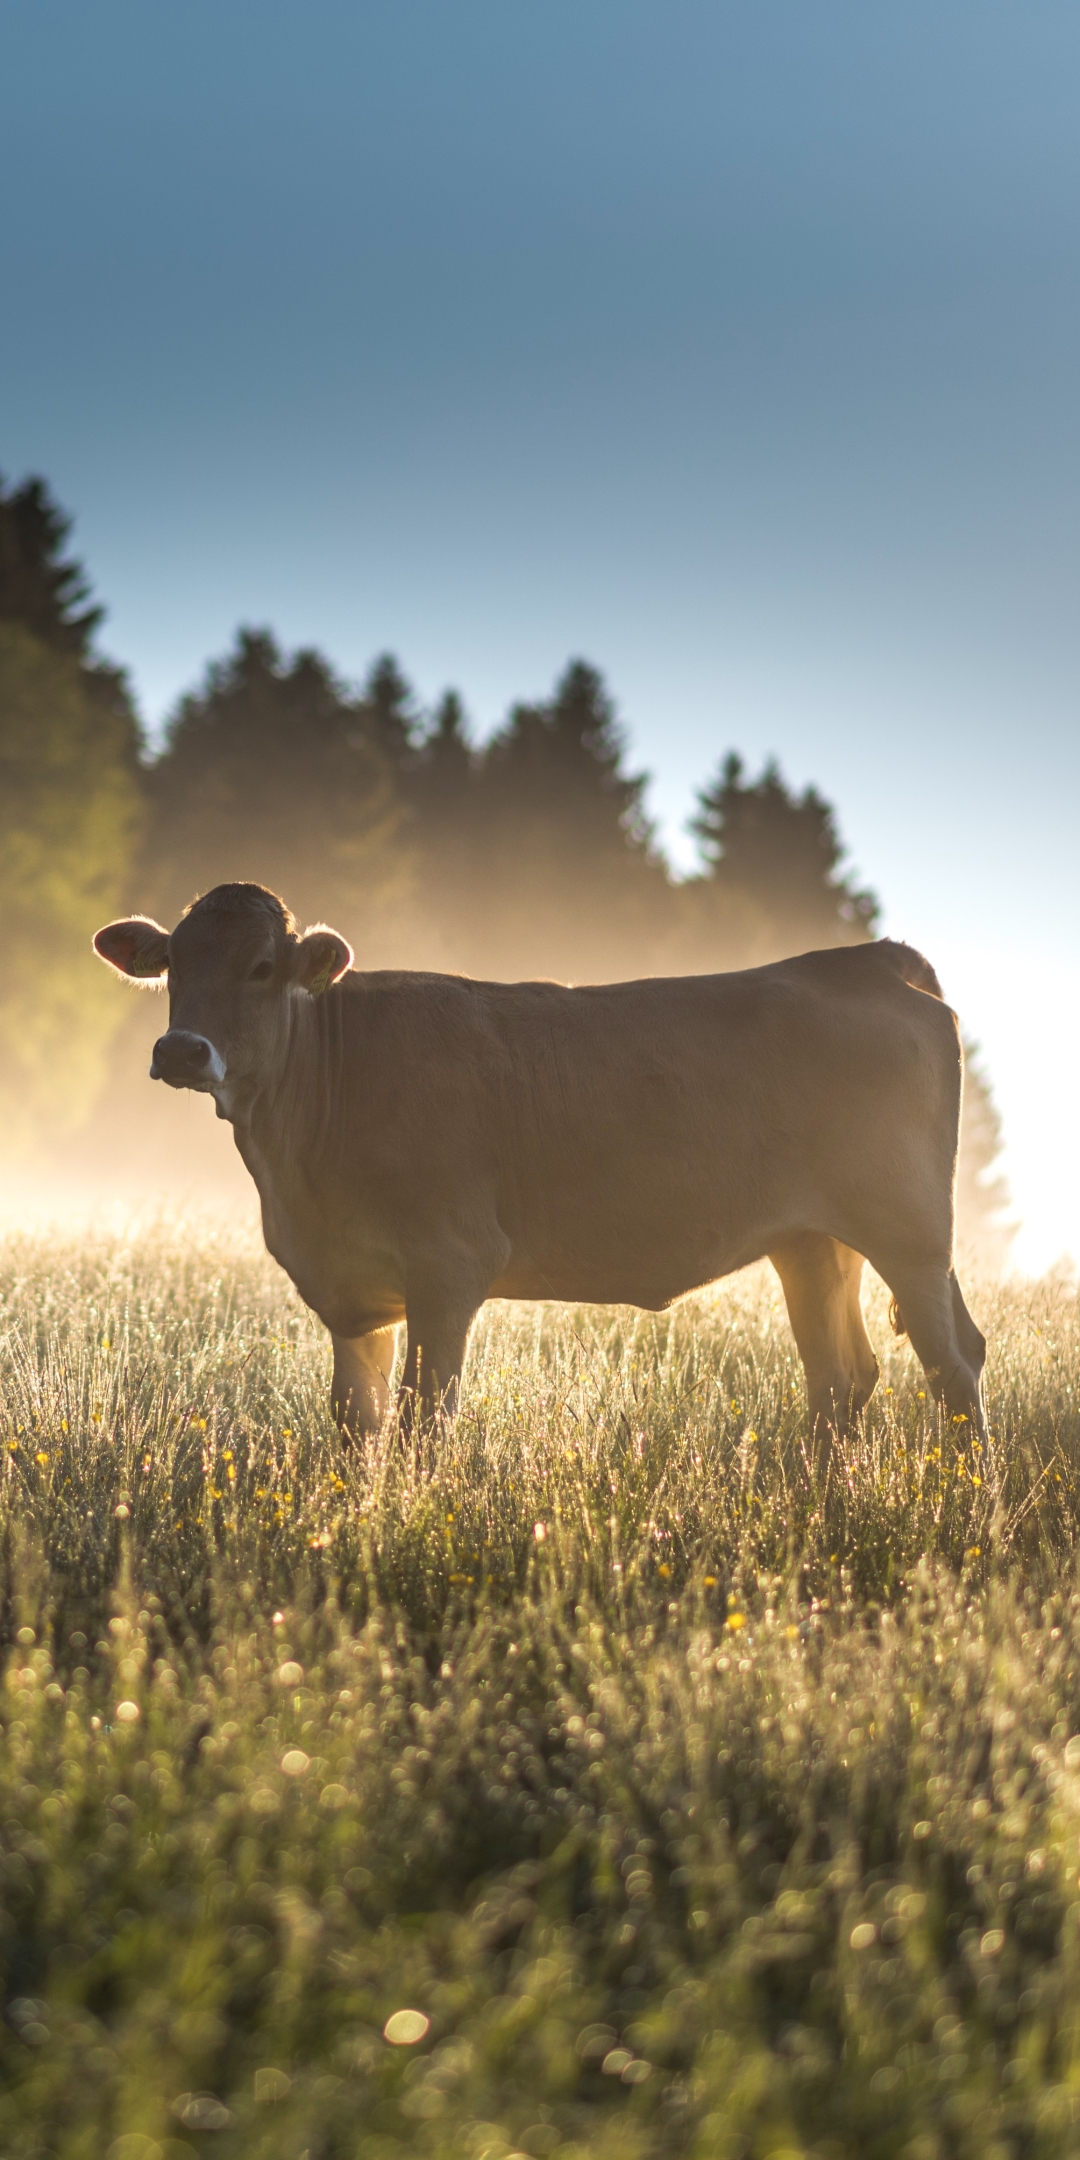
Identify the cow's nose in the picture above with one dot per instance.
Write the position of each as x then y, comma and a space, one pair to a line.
185, 1060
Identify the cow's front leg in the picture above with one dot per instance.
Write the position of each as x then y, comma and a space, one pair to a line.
438, 1336
445, 1285
361, 1388
439, 1311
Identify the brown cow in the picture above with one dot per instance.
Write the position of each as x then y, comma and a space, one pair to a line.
423, 1142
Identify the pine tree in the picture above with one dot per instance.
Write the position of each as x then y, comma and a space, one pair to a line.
772, 882
70, 803
567, 881
439, 782
560, 766
388, 711
39, 588
48, 593
270, 772
445, 765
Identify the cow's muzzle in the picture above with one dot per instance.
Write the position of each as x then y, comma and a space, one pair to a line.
185, 1060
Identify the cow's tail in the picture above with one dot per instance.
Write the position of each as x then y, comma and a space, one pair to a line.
909, 965
916, 971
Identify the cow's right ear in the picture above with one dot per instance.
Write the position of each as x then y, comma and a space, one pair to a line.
321, 958
137, 947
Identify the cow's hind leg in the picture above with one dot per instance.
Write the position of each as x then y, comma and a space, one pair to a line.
361, 1389
821, 1280
930, 1309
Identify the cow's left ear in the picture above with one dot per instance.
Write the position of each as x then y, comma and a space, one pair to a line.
322, 957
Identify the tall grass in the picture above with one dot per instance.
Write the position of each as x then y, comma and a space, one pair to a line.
689, 1810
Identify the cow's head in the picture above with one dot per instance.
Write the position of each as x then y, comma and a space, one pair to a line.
234, 966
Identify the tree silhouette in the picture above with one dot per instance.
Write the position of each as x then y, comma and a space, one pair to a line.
70, 804
446, 763
40, 588
270, 772
565, 879
772, 882
48, 593
388, 710
560, 765
441, 781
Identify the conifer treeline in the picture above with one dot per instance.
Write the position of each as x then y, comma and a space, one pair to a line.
531, 854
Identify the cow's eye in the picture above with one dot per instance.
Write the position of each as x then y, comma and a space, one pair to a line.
262, 971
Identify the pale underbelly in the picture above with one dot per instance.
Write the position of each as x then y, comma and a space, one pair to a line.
623, 1282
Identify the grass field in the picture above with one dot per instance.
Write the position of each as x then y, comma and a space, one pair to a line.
575, 1788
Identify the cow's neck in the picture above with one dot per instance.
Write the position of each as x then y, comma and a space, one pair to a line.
285, 1128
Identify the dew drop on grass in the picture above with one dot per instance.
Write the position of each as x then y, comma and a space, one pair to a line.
406, 2027
271, 2085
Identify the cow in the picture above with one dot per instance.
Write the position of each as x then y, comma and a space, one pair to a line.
422, 1142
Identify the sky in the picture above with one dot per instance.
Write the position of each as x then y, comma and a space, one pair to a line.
733, 347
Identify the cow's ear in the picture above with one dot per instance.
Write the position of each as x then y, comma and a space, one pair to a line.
137, 947
322, 957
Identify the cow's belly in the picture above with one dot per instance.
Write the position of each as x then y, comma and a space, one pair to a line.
571, 1287
633, 1275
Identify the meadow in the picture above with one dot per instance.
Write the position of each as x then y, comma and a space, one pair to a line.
579, 1785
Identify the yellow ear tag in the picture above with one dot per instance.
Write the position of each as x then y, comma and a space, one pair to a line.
319, 982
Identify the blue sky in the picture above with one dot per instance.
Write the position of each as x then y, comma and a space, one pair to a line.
734, 347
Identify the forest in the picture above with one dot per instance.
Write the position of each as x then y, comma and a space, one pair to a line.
529, 854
